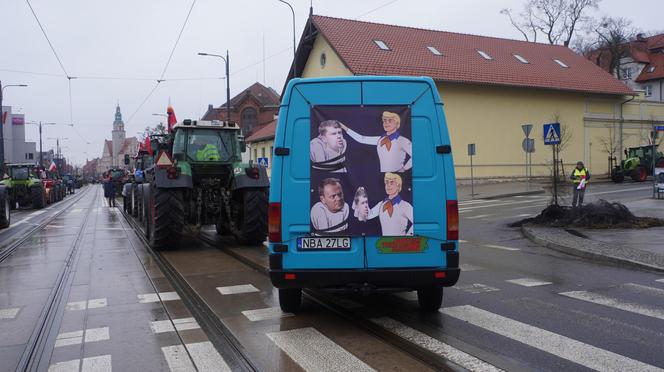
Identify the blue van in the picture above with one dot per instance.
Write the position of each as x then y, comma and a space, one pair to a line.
363, 193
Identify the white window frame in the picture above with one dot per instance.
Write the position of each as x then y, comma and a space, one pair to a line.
648, 90
561, 63
434, 51
520, 58
381, 44
626, 73
485, 55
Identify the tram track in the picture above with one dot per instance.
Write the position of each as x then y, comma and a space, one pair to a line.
220, 335
7, 249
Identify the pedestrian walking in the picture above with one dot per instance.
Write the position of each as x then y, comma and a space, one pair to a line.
580, 176
109, 191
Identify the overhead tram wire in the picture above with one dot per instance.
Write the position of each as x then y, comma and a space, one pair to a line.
118, 78
47, 39
376, 8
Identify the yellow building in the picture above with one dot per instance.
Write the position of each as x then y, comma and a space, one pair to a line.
491, 87
260, 145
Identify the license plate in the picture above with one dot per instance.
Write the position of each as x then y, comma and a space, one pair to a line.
331, 242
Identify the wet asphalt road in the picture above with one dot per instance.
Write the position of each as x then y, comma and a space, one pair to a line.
517, 306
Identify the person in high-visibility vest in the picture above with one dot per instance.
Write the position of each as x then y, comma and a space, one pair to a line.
580, 176
207, 152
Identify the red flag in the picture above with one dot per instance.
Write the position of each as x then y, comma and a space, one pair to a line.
171, 118
148, 145
53, 167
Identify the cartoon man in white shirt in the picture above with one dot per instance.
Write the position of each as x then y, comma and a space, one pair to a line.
327, 151
330, 214
394, 213
394, 150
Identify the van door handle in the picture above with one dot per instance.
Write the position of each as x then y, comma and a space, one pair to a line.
444, 149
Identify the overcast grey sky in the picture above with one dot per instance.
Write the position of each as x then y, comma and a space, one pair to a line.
119, 48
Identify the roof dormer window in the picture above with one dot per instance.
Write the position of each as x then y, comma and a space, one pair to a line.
434, 51
561, 63
485, 55
381, 44
521, 59
651, 69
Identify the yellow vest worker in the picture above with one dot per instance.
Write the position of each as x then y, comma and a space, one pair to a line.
580, 176
208, 153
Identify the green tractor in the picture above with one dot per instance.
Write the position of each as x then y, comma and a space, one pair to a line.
638, 164
198, 178
24, 187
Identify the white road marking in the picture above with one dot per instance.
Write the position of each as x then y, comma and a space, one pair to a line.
312, 351
497, 205
267, 313
75, 306
97, 303
206, 358
90, 304
9, 313
464, 211
97, 364
437, 347
77, 337
182, 324
531, 206
660, 280
177, 358
155, 297
502, 247
642, 288
563, 347
522, 215
36, 213
237, 289
479, 216
77, 210
652, 311
469, 267
528, 282
475, 288
68, 366
463, 241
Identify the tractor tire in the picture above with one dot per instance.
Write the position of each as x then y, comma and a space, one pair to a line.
290, 299
134, 201
251, 221
5, 214
167, 218
430, 298
145, 208
38, 198
640, 174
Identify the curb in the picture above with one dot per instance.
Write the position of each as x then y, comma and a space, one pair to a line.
528, 232
509, 195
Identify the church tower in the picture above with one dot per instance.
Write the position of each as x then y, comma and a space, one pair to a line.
118, 136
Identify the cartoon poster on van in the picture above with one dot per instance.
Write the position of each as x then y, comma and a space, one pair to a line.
361, 171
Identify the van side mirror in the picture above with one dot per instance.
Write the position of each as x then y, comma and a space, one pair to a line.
126, 159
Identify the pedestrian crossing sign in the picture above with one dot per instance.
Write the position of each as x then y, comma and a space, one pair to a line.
552, 134
263, 162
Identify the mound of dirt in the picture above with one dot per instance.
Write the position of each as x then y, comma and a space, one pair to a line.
597, 215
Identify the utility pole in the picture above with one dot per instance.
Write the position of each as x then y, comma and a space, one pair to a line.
228, 81
294, 48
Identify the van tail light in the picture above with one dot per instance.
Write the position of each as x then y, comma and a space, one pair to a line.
452, 220
274, 222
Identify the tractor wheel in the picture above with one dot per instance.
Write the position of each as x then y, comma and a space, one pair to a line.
145, 208
430, 298
617, 175
5, 214
167, 222
290, 299
251, 216
38, 198
659, 163
133, 199
640, 174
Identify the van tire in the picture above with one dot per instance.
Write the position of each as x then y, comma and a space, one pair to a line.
430, 298
167, 219
251, 221
38, 198
290, 299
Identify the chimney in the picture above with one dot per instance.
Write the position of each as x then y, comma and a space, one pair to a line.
640, 37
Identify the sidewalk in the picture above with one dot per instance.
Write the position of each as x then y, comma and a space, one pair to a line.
496, 190
636, 247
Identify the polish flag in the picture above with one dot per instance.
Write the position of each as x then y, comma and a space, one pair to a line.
171, 118
52, 167
148, 145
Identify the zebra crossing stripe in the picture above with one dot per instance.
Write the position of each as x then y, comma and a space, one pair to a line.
312, 351
651, 311
563, 347
437, 347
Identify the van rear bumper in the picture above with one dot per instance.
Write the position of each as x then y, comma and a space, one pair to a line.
381, 278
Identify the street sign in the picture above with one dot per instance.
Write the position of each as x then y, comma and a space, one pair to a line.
528, 145
471, 149
526, 129
659, 128
552, 134
264, 162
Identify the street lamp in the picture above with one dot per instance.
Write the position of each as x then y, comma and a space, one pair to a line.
228, 82
57, 143
41, 152
2, 123
294, 49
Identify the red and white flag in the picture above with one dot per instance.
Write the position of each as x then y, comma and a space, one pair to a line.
171, 118
52, 167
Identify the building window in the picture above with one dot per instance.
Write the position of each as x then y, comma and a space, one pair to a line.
485, 55
651, 69
648, 89
255, 154
561, 63
381, 44
626, 73
262, 152
248, 120
323, 59
521, 59
271, 151
434, 51
31, 156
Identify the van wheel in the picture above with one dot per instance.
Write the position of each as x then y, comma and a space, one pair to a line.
290, 299
430, 298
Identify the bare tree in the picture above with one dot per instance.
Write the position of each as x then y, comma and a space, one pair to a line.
148, 131
609, 42
558, 20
